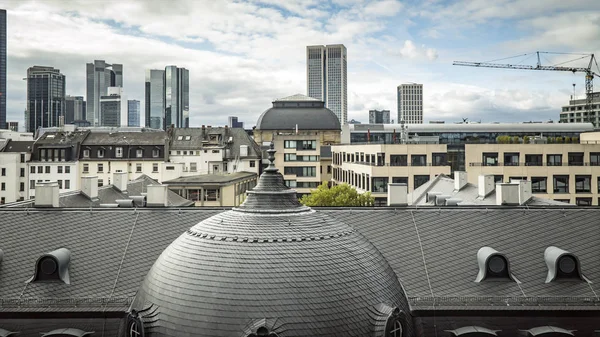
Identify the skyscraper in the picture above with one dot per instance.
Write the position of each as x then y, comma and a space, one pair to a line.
326, 77
74, 109
113, 108
379, 116
45, 98
410, 103
177, 97
234, 123
99, 76
155, 98
2, 69
133, 112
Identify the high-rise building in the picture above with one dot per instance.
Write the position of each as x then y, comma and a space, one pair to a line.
133, 112
155, 98
177, 97
75, 109
326, 77
13, 126
45, 98
576, 111
113, 108
410, 103
99, 77
379, 116
2, 69
233, 122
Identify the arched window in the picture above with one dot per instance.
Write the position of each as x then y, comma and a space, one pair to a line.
135, 330
262, 332
396, 330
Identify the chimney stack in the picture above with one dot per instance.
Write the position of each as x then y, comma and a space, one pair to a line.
47, 194
486, 185
120, 181
89, 186
157, 196
507, 194
397, 194
460, 179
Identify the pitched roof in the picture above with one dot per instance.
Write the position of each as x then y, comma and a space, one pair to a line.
225, 178
18, 146
239, 137
144, 137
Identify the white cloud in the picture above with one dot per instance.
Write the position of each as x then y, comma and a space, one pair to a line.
411, 51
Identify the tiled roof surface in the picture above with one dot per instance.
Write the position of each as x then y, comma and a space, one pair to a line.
239, 136
17, 146
126, 138
212, 178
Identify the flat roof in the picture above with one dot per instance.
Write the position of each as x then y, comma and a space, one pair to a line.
479, 127
221, 179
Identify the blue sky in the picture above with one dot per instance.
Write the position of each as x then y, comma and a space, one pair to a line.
243, 54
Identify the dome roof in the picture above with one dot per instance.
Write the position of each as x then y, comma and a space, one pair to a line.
270, 266
306, 112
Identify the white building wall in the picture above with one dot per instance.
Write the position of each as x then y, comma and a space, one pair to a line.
10, 169
42, 171
105, 169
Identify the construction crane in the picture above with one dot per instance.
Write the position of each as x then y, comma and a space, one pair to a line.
589, 74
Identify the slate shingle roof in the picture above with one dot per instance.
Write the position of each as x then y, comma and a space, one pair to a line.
307, 118
239, 135
145, 137
17, 146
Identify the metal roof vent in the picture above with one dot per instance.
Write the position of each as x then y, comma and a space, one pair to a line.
6, 333
68, 332
562, 265
453, 201
440, 200
53, 266
139, 200
431, 196
493, 265
548, 330
128, 203
473, 330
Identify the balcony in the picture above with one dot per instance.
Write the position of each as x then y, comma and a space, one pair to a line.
537, 164
407, 164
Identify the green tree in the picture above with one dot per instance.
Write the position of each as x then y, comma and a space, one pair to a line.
336, 196
526, 140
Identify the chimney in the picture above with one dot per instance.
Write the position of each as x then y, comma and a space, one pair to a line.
120, 181
486, 185
157, 196
47, 194
460, 179
203, 131
507, 194
525, 191
397, 194
89, 186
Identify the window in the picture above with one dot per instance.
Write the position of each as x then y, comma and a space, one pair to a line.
21, 187
554, 160
511, 159
59, 184
32, 184
179, 137
155, 153
154, 167
42, 154
67, 184
398, 160
100, 167
67, 169
329, 169
575, 158
420, 180
139, 153
4, 172
188, 137
62, 154
498, 178
138, 167
179, 152
60, 169
2, 200
583, 184
490, 159
170, 168
595, 159
100, 182
22, 172
56, 154
40, 169
400, 180
100, 153
395, 329
538, 184
252, 163
3, 186
119, 152
379, 185
301, 171
289, 157
289, 144
193, 167
22, 157
86, 168
32, 169
86, 153
216, 151
47, 169
583, 201
308, 145
561, 184
533, 160
211, 195
290, 183
439, 159
418, 160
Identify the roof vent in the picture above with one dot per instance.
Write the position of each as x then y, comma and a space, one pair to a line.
124, 202
431, 196
53, 266
486, 185
460, 180
157, 196
493, 265
139, 200
108, 205
475, 330
68, 332
397, 194
440, 200
562, 265
453, 201
548, 330
6, 333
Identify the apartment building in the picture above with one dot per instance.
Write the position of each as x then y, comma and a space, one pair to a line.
576, 111
14, 156
369, 168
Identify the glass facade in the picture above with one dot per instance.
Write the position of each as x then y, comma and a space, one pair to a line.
3, 69
45, 98
177, 97
99, 77
155, 100
133, 113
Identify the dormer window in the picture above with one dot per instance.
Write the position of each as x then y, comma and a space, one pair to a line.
562, 265
86, 153
394, 326
119, 152
100, 153
53, 266
70, 332
548, 331
179, 137
139, 153
155, 153
188, 137
473, 331
262, 332
493, 265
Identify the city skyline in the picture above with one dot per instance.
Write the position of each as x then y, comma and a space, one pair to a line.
244, 67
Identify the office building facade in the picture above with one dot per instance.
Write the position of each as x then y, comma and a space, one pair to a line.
75, 109
13, 126
177, 97
113, 108
326, 77
379, 116
576, 112
133, 113
45, 106
155, 98
99, 77
410, 103
2, 69
233, 122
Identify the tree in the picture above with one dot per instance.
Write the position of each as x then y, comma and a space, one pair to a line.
339, 195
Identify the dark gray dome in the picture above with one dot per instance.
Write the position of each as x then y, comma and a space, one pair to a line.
285, 269
308, 113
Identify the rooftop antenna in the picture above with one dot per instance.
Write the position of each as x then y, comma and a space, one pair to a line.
574, 92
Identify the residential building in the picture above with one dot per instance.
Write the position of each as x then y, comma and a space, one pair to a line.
391, 272
233, 122
14, 156
369, 168
177, 97
327, 77
74, 109
299, 126
379, 116
576, 112
2, 69
99, 77
45, 105
133, 113
410, 103
155, 98
105, 152
13, 126
214, 189
210, 150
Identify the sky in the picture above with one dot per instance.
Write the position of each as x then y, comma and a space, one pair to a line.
244, 54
